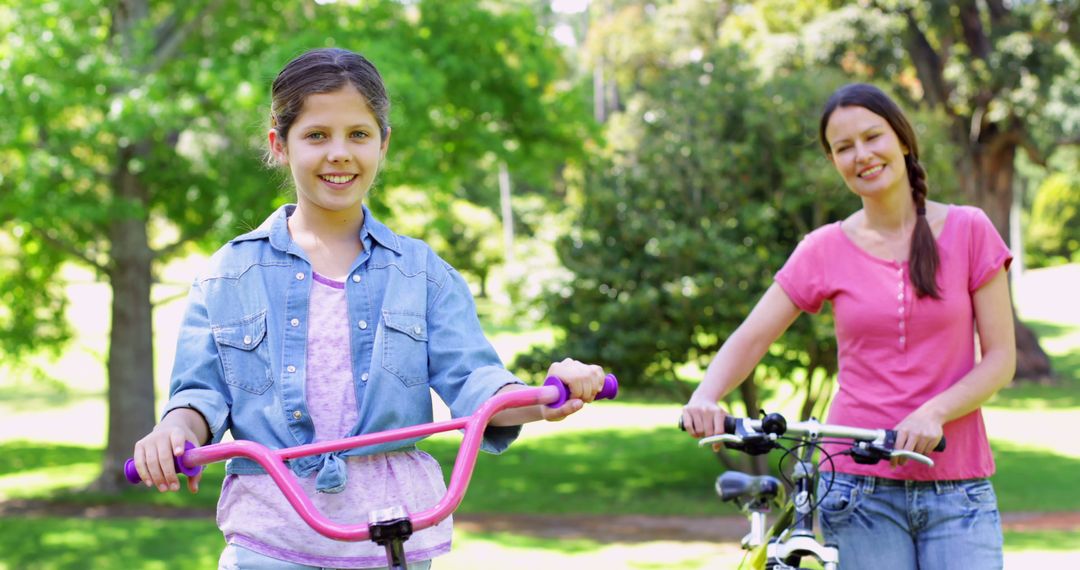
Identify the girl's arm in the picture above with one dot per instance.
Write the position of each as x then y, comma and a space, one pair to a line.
922, 429
736, 359
584, 381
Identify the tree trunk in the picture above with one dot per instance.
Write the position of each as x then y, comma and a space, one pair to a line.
987, 180
131, 349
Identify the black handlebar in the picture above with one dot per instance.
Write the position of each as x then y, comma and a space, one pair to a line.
776, 424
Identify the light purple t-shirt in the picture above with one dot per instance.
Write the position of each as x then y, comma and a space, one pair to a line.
896, 350
253, 513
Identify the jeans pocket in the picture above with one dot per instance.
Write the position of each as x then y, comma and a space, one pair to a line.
979, 493
405, 347
244, 353
838, 496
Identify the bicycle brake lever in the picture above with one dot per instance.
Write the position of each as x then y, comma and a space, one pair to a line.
913, 456
725, 438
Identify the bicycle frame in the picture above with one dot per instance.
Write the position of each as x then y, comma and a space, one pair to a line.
553, 394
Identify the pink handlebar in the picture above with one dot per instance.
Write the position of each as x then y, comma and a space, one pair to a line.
273, 461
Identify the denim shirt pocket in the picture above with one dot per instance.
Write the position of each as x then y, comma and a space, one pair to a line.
244, 352
405, 344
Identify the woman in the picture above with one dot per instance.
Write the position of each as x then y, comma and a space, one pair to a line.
910, 282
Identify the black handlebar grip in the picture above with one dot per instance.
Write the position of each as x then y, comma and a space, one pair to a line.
940, 445
729, 424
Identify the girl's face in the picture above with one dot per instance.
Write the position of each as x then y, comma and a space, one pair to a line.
866, 152
333, 150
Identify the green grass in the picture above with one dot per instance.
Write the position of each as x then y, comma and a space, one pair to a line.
108, 544
653, 472
619, 472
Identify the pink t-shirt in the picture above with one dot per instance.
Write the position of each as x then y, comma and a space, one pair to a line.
896, 350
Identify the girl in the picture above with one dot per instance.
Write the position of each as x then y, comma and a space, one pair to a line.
910, 282
323, 323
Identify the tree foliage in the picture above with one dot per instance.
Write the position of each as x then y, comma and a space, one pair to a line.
1053, 228
710, 178
137, 132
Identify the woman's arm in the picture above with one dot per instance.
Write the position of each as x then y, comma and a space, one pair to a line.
923, 428
736, 359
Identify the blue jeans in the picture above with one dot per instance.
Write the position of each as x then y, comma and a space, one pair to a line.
239, 558
885, 524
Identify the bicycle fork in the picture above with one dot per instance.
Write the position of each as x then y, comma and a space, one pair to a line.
802, 542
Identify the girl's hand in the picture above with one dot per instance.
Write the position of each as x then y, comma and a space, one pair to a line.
919, 432
583, 382
154, 453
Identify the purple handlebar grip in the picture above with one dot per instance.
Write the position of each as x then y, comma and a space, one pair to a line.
608, 392
132, 474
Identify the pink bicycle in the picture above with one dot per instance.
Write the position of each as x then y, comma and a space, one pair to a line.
389, 527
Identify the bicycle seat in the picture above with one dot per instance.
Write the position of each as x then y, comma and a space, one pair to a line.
736, 485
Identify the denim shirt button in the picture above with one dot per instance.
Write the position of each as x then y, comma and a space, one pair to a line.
299, 276
364, 377
297, 414
362, 325
247, 339
295, 322
417, 329
290, 368
355, 278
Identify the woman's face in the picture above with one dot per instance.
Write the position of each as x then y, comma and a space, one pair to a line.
866, 152
333, 150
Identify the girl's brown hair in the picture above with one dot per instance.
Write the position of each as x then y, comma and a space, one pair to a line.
323, 71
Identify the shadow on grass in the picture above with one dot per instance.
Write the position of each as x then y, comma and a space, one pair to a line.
60, 544
1064, 393
20, 456
1035, 480
29, 470
625, 472
651, 472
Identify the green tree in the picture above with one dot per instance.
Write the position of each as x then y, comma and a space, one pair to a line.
1053, 229
137, 130
711, 174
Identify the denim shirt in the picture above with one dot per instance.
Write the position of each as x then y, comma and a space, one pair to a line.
241, 352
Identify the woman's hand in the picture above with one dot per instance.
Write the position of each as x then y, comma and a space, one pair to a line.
702, 417
919, 432
583, 382
154, 453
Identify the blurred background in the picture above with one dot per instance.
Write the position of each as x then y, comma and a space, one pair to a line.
617, 179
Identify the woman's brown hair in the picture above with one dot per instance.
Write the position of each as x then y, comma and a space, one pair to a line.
923, 257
